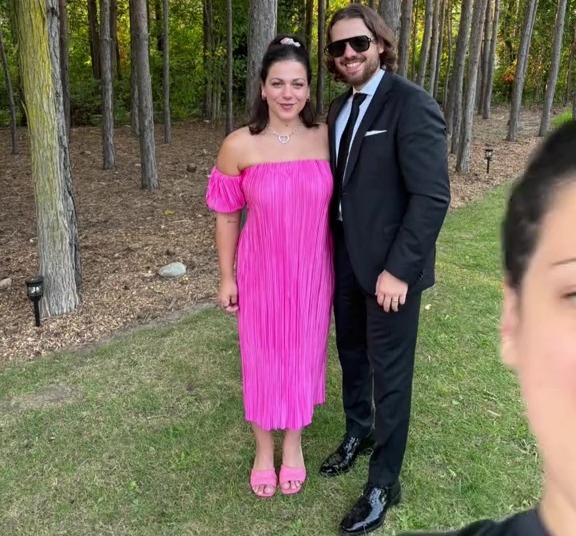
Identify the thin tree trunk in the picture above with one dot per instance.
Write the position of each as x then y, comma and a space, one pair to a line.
390, 12
64, 62
158, 25
568, 76
94, 38
166, 74
322, 9
425, 50
262, 29
487, 105
484, 57
450, 47
404, 38
553, 73
435, 46
114, 49
414, 33
229, 68
309, 22
440, 53
38, 37
521, 66
134, 124
456, 84
10, 95
464, 149
145, 105
109, 158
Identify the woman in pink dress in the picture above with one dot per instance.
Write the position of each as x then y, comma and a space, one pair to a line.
278, 168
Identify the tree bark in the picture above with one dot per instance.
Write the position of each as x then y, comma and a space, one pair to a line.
145, 104
450, 47
464, 148
454, 106
38, 35
229, 68
109, 158
262, 29
10, 95
166, 73
484, 57
390, 12
114, 49
555, 66
309, 22
414, 32
521, 66
322, 9
440, 51
435, 44
404, 37
94, 38
425, 50
64, 62
134, 124
487, 105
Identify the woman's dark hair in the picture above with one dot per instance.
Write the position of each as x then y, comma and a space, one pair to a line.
276, 52
553, 166
379, 30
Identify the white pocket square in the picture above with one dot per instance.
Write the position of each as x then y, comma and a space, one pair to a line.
374, 132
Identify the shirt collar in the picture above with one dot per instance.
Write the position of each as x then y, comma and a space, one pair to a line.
372, 85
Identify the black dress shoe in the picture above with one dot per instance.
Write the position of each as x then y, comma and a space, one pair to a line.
343, 458
370, 509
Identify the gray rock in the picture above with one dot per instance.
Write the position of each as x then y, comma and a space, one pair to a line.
172, 270
5, 283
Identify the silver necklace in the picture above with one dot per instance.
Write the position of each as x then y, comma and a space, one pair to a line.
284, 138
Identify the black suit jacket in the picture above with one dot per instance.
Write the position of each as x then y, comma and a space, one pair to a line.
396, 191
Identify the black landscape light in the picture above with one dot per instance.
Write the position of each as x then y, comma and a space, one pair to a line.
488, 152
35, 291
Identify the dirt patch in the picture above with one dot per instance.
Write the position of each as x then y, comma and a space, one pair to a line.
126, 233
51, 396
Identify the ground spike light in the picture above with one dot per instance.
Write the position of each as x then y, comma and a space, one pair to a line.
35, 291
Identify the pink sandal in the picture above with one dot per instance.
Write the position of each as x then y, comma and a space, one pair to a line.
292, 474
264, 477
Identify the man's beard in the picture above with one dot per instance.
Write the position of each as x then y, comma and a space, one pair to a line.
370, 67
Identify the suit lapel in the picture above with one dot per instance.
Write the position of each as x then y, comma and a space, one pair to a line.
374, 109
333, 114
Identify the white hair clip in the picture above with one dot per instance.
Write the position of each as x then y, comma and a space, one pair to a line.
289, 41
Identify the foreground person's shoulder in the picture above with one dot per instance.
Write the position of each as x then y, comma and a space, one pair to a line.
522, 524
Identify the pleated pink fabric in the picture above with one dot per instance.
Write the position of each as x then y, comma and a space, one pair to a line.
285, 286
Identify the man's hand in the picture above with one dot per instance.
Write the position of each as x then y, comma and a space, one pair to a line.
390, 292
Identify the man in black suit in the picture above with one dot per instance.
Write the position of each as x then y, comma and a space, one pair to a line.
391, 194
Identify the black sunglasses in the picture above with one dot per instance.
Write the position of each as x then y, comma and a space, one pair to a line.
359, 43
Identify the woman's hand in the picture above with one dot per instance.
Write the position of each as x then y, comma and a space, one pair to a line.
228, 295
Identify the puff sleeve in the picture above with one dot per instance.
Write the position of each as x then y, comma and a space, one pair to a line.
224, 193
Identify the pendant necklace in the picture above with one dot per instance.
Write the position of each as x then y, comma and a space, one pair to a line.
284, 138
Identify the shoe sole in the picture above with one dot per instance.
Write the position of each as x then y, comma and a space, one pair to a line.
363, 452
393, 503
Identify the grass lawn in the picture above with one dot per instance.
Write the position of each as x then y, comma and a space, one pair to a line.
144, 435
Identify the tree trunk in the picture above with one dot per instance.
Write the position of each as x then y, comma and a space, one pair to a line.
454, 106
262, 29
435, 45
109, 158
94, 39
166, 74
64, 62
464, 149
484, 57
229, 69
487, 105
309, 22
450, 47
114, 49
425, 50
390, 12
568, 77
10, 95
440, 51
322, 9
213, 87
553, 73
158, 25
521, 65
145, 105
38, 36
404, 37
134, 125
414, 33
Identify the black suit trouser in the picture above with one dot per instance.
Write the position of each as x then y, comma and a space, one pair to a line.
376, 351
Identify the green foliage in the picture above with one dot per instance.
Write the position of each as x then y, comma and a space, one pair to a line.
563, 118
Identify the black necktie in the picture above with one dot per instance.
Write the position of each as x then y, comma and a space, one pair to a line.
346, 138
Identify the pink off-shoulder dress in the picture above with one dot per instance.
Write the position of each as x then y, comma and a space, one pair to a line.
285, 285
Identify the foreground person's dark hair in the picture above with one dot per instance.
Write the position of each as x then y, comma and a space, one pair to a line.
551, 168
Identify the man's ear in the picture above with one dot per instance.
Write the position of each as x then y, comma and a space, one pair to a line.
509, 326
